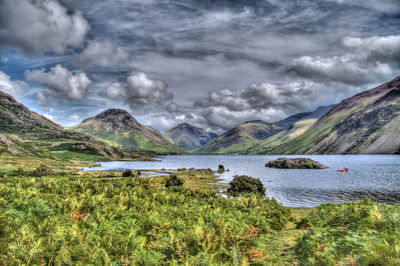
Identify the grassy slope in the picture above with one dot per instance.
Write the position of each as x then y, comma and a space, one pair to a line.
126, 138
358, 233
60, 154
317, 133
234, 141
297, 129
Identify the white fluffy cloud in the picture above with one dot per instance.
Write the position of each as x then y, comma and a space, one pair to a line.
61, 81
104, 54
39, 26
139, 91
367, 60
15, 88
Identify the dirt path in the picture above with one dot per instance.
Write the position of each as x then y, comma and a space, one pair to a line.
280, 247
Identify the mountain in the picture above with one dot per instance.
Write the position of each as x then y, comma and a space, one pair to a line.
316, 114
295, 126
26, 133
240, 138
15, 118
255, 136
188, 137
368, 122
118, 128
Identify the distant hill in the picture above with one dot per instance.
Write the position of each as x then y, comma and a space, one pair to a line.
188, 137
26, 133
119, 128
295, 126
368, 122
239, 138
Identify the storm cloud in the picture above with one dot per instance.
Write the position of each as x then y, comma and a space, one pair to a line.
39, 26
367, 60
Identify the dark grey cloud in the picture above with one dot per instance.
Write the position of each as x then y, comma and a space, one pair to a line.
61, 81
295, 54
367, 60
39, 26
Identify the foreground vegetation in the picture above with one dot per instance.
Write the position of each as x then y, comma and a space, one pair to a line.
86, 220
361, 232
53, 217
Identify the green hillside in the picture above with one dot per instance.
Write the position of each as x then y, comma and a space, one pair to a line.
368, 122
118, 128
239, 138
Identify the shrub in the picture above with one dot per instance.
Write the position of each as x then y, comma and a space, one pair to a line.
174, 181
127, 173
221, 169
43, 170
245, 184
18, 172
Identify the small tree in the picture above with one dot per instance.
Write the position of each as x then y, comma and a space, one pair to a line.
221, 169
174, 181
43, 170
245, 184
127, 173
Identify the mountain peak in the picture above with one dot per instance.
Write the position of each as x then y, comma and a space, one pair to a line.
183, 125
7, 97
188, 137
115, 119
112, 112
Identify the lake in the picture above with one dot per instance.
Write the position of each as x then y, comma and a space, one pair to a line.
374, 176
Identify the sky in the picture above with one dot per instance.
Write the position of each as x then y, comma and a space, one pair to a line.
210, 63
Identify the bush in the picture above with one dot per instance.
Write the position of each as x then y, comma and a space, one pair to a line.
221, 169
245, 184
43, 170
174, 181
127, 173
18, 172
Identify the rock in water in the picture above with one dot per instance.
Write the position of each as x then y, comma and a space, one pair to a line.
295, 163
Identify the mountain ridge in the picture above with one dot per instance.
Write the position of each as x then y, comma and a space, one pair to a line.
188, 137
366, 123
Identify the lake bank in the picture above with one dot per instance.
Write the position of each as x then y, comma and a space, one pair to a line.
373, 176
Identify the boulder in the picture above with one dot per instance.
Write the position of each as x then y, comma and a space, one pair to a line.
295, 163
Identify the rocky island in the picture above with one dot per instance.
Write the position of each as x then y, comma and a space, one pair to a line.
295, 163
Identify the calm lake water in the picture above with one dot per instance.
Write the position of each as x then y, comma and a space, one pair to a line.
374, 176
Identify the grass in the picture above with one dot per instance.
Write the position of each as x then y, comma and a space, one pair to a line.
357, 233
86, 220
104, 218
